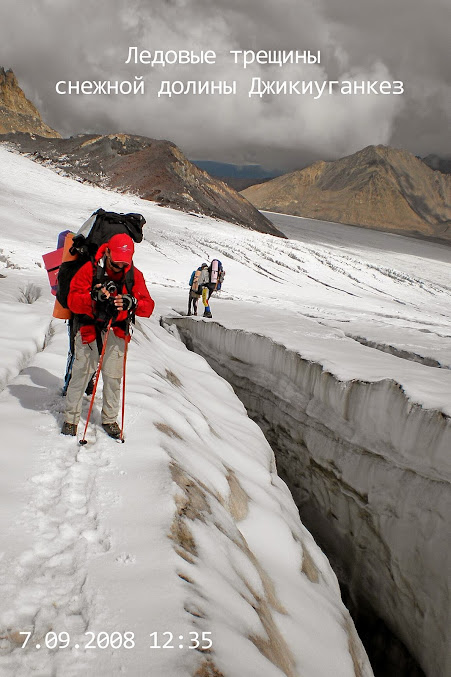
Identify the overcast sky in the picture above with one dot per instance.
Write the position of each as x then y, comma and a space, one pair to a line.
45, 41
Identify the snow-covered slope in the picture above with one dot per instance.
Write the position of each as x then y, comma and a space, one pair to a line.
183, 535
339, 343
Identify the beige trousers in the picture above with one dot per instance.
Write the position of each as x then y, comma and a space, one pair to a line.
84, 365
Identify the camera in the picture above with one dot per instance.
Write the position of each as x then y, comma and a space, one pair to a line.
109, 287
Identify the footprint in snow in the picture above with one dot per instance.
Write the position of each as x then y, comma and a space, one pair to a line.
125, 558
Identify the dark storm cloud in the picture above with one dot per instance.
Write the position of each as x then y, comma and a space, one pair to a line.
45, 41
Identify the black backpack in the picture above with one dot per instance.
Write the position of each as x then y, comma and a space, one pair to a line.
105, 225
108, 224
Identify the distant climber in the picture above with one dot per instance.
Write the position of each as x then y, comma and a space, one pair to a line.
194, 291
111, 288
213, 281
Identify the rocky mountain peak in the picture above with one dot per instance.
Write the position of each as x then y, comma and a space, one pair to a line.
377, 187
17, 113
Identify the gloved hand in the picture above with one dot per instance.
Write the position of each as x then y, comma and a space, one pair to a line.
98, 295
111, 310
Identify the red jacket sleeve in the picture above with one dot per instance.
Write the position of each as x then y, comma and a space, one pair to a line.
146, 303
79, 297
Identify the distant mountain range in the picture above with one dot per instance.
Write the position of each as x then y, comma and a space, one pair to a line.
377, 187
231, 171
237, 176
154, 170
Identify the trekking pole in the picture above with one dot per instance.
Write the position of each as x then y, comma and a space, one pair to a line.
99, 367
127, 340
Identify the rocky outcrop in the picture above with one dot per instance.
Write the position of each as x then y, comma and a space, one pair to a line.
378, 187
369, 470
17, 113
152, 169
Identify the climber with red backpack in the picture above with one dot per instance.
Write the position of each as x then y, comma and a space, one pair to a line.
104, 296
73, 251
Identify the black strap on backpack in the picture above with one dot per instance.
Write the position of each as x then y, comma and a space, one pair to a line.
66, 272
100, 277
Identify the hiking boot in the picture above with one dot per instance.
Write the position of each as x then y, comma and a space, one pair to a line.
207, 314
112, 429
69, 429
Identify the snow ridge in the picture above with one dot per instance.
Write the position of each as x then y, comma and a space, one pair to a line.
398, 352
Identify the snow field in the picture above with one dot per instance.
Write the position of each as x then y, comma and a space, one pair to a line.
185, 528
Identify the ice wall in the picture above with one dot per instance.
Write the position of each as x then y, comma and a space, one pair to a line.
369, 469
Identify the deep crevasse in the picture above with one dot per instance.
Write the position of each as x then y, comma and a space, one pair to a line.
369, 469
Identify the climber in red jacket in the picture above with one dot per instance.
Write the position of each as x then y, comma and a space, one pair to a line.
109, 288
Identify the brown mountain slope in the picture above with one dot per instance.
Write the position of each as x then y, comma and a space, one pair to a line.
377, 187
17, 113
154, 170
